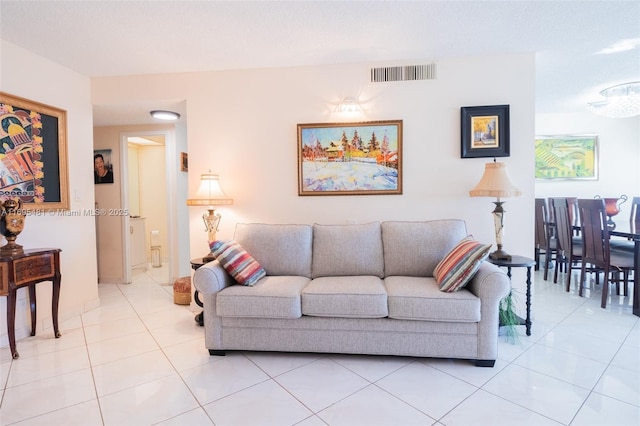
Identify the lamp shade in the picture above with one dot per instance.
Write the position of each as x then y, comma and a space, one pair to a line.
209, 193
495, 182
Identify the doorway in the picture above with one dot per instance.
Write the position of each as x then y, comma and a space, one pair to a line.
147, 201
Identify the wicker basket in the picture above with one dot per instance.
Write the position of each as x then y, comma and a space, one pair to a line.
182, 291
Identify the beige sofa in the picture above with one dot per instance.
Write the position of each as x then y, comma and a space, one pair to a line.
357, 289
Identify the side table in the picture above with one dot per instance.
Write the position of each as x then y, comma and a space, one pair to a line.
519, 262
195, 264
26, 270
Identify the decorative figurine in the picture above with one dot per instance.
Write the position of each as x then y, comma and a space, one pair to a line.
612, 208
11, 225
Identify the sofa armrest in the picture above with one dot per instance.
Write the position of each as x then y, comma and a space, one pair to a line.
491, 284
211, 278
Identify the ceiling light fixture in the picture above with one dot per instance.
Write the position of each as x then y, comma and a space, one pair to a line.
621, 101
164, 115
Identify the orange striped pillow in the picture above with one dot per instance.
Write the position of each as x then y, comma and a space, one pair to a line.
460, 265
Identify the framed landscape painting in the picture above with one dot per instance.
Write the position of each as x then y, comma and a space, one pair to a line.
33, 144
362, 158
567, 157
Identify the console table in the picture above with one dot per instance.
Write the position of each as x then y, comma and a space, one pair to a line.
26, 270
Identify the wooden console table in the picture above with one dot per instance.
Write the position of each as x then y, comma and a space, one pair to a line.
26, 270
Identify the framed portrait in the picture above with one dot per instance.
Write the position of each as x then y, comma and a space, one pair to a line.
363, 158
567, 157
102, 166
184, 162
33, 144
484, 131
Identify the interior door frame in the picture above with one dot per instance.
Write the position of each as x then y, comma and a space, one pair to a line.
170, 172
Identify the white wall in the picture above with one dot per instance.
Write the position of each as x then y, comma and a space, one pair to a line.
29, 76
618, 157
242, 125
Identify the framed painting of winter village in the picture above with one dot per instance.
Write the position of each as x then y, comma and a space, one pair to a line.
33, 144
363, 158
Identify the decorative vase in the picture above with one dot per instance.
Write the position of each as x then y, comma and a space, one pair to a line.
612, 208
11, 225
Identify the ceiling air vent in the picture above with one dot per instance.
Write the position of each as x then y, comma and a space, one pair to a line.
409, 72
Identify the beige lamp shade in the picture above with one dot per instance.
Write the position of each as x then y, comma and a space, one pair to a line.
209, 193
495, 182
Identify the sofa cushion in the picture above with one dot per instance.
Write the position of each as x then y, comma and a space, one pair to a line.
417, 298
343, 250
415, 248
280, 249
271, 297
237, 262
460, 264
345, 297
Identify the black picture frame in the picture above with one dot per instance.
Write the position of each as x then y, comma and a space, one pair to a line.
484, 131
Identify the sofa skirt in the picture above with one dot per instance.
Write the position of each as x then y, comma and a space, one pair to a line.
378, 336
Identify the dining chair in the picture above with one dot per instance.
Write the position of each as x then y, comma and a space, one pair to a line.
573, 211
568, 252
634, 226
596, 248
545, 242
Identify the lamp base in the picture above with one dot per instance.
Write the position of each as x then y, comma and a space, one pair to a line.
499, 255
208, 258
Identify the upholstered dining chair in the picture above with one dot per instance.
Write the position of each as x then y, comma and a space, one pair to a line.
545, 241
596, 249
569, 253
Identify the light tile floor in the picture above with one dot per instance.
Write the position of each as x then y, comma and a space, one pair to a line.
139, 359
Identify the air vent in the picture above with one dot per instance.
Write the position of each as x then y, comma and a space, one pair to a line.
406, 73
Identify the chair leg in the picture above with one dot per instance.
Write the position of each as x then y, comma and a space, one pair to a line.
568, 274
583, 272
537, 259
605, 288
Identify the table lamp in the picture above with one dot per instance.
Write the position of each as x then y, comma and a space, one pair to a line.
210, 194
495, 182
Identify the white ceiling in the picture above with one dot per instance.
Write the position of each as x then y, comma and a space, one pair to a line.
109, 38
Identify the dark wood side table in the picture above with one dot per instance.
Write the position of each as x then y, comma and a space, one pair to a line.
520, 262
195, 264
26, 270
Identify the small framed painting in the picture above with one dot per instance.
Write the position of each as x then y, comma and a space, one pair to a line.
567, 157
184, 162
362, 158
484, 131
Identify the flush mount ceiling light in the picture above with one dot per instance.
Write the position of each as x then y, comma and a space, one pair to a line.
164, 115
621, 101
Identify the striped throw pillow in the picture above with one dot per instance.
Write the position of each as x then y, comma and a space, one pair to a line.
237, 262
460, 265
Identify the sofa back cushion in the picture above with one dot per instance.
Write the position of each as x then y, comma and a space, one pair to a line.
414, 249
280, 249
343, 250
